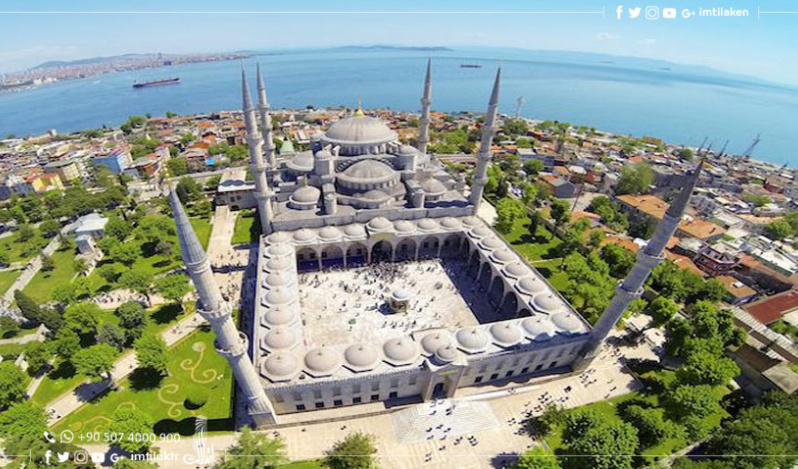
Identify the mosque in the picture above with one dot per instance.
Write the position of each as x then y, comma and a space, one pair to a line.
360, 201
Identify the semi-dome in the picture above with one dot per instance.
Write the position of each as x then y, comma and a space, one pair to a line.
433, 187
379, 224
531, 285
277, 279
278, 263
471, 221
567, 323
491, 244
547, 303
361, 357
516, 270
400, 351
404, 226
435, 340
503, 256
472, 339
306, 195
278, 296
355, 231
368, 171
279, 237
446, 354
407, 150
359, 129
279, 338
278, 316
375, 195
428, 224
481, 231
304, 235
322, 361
280, 365
302, 162
539, 329
329, 233
451, 223
505, 333
277, 250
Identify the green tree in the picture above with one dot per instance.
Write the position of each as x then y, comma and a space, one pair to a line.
261, 450
8, 327
188, 190
515, 127
67, 343
619, 259
533, 167
96, 361
560, 212
132, 318
37, 355
108, 272
507, 211
118, 228
704, 367
48, 264
692, 406
64, 294
151, 353
131, 421
651, 424
49, 228
662, 310
355, 451
5, 258
111, 334
22, 422
684, 154
82, 317
778, 230
125, 253
595, 238
595, 442
173, 287
212, 183
12, 384
25, 233
536, 458
535, 221
79, 265
136, 281
635, 179
177, 166
237, 153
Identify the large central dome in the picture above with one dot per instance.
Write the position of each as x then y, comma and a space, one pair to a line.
359, 130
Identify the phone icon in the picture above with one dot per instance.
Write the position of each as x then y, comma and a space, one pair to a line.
49, 438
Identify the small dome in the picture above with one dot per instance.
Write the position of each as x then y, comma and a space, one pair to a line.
531, 285
567, 323
279, 338
446, 354
404, 226
302, 162
491, 244
362, 357
428, 224
471, 221
400, 294
278, 296
369, 170
472, 339
279, 316
435, 340
481, 231
503, 256
516, 270
400, 351
374, 194
359, 129
277, 250
306, 195
433, 187
322, 361
506, 333
304, 236
329, 233
281, 364
355, 231
323, 155
279, 237
407, 150
277, 279
547, 303
379, 224
539, 329
451, 223
279, 264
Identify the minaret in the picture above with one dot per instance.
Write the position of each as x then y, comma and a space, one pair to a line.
632, 286
426, 101
265, 122
263, 194
484, 155
230, 342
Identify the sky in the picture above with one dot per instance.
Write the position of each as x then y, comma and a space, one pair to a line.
763, 46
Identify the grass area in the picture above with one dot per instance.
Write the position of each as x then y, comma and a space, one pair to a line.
309, 464
23, 331
541, 246
63, 378
43, 283
202, 226
785, 328
11, 351
247, 229
20, 252
7, 278
194, 366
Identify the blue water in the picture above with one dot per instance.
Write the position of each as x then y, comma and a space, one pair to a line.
622, 96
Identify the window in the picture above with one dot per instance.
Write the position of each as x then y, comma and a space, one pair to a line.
524, 370
494, 376
394, 383
316, 394
509, 373
553, 364
320, 405
375, 397
324, 255
338, 403
375, 386
300, 407
413, 380
539, 367
478, 379
356, 400
355, 388
392, 395
336, 391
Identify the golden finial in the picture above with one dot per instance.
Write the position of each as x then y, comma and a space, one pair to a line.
359, 110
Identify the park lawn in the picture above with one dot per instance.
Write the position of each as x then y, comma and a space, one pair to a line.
247, 229
541, 247
23, 331
193, 365
43, 283
309, 464
15, 249
63, 379
202, 226
7, 278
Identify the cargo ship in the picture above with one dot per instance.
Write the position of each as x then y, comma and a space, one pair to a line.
167, 81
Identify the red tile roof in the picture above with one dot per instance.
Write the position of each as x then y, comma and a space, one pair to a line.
771, 309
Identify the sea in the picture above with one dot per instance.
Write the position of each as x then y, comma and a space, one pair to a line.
680, 104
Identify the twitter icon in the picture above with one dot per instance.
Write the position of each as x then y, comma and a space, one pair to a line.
62, 457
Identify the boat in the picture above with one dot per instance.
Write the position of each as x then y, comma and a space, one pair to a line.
470, 66
166, 81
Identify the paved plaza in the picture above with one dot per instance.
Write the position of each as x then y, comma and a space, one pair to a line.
346, 305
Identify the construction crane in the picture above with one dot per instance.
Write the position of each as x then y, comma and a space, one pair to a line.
519, 103
748, 151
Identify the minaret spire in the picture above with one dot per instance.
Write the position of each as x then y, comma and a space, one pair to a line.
484, 155
647, 258
230, 342
263, 193
426, 101
265, 121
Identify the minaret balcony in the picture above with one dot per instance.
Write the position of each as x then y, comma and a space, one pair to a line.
218, 316
234, 350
